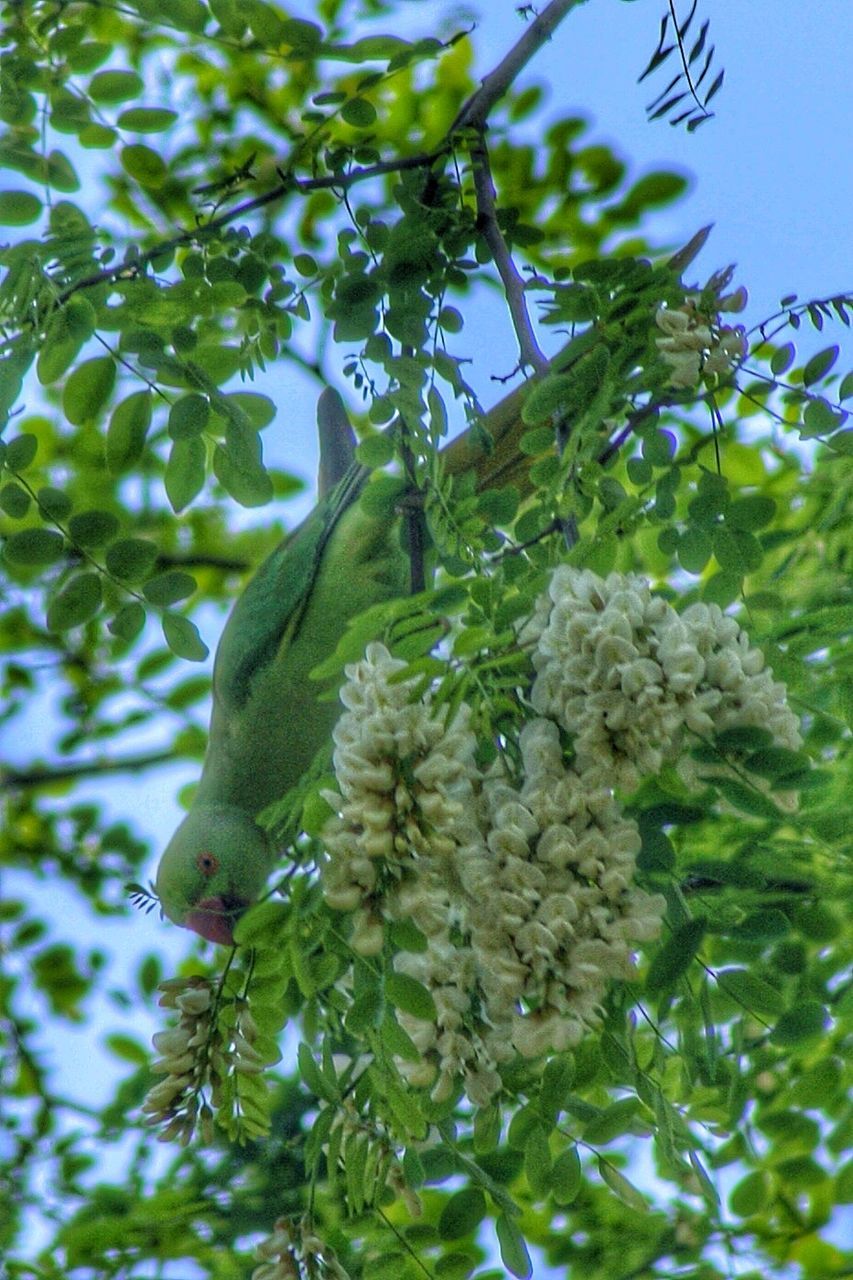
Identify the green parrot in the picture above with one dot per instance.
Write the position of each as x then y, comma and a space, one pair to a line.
267, 723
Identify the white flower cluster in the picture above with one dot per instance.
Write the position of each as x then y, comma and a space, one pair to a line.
695, 343
628, 677
524, 888
194, 1058
406, 783
551, 917
294, 1251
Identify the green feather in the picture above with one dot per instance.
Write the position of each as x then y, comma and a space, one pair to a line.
267, 723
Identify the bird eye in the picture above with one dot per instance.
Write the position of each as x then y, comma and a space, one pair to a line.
207, 864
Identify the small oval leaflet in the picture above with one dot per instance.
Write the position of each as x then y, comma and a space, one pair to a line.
93, 528
126, 433
185, 471
114, 86
131, 558
183, 638
21, 451
33, 546
77, 602
88, 388
411, 996
462, 1214
169, 588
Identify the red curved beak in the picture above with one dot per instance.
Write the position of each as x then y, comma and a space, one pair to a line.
214, 920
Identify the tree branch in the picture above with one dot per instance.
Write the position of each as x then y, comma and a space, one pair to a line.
37, 776
477, 109
514, 287
473, 114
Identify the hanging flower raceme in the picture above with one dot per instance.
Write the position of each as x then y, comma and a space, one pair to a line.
696, 344
405, 786
630, 679
197, 1057
523, 882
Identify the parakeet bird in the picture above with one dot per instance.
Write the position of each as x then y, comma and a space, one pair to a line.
267, 723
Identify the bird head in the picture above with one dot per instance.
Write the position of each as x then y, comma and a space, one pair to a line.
212, 869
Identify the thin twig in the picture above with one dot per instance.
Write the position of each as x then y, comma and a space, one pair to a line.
477, 109
47, 775
514, 287
473, 114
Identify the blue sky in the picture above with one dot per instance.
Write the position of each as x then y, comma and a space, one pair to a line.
772, 171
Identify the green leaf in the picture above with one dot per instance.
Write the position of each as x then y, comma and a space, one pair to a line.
262, 923
406, 993
87, 389
752, 992
621, 1187
653, 190
19, 208
67, 330
744, 739
143, 164
537, 1160
737, 551
548, 399
462, 1214
258, 410
33, 547
14, 500
745, 798
819, 365
783, 358
805, 1021
131, 559
566, 1177
189, 416
127, 431
146, 119
185, 471
752, 512
777, 762
365, 1012
183, 638
613, 1122
21, 451
128, 622
675, 956
313, 1078
487, 1129
819, 419
53, 503
376, 451
115, 86
169, 588
658, 448
841, 442
77, 602
359, 113
694, 549
93, 528
513, 1249
239, 469
751, 1194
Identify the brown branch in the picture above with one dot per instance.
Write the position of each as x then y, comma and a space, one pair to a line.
203, 560
477, 109
473, 114
131, 267
514, 287
37, 776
